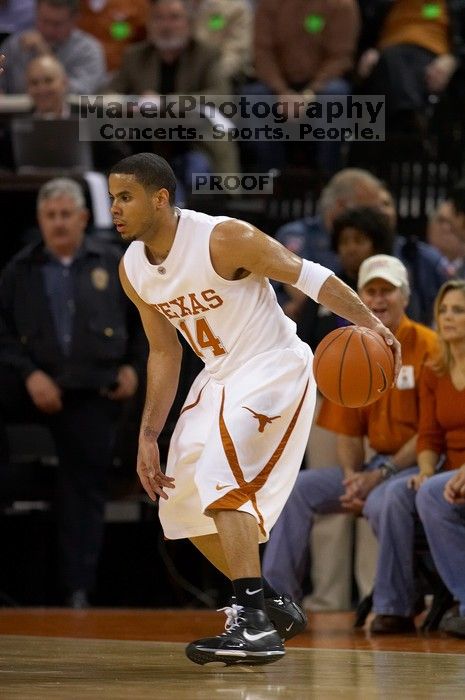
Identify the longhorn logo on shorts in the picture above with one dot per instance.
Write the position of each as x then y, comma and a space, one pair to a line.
263, 420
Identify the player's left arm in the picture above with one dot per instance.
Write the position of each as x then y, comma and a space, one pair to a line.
237, 247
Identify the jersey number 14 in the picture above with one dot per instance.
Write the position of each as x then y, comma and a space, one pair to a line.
205, 338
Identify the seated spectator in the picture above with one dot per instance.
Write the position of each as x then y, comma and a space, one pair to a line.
16, 16
70, 349
303, 49
350, 187
410, 50
442, 236
441, 506
357, 234
47, 86
390, 425
440, 432
227, 25
115, 23
55, 33
173, 62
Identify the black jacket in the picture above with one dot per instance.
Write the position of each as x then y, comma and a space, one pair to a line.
106, 331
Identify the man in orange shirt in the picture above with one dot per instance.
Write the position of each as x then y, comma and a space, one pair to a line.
390, 425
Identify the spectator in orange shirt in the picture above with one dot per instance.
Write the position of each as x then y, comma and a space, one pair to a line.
390, 425
441, 498
303, 48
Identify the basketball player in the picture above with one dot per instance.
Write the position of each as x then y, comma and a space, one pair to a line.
238, 445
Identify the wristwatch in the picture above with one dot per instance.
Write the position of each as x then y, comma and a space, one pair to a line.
388, 469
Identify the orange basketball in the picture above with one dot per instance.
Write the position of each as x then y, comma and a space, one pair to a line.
353, 366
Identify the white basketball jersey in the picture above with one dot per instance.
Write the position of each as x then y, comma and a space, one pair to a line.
225, 322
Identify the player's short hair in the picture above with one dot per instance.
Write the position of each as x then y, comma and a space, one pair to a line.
60, 186
150, 170
371, 222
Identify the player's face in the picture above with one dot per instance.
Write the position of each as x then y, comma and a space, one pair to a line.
451, 316
62, 224
353, 248
132, 208
387, 302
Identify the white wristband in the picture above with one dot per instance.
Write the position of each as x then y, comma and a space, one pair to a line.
312, 277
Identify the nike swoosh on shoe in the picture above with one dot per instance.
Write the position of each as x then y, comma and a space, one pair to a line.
259, 635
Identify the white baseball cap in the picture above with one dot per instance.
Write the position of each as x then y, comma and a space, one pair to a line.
385, 267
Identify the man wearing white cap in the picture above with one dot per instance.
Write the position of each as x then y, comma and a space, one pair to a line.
390, 425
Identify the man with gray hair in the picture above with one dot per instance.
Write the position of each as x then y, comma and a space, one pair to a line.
70, 352
390, 425
55, 33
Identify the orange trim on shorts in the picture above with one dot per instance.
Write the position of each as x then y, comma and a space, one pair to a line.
193, 405
246, 491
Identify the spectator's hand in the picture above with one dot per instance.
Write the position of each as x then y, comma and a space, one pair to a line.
454, 491
127, 384
439, 72
34, 42
367, 62
359, 485
416, 481
148, 467
354, 506
2, 63
44, 392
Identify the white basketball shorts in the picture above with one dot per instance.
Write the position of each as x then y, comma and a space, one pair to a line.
239, 443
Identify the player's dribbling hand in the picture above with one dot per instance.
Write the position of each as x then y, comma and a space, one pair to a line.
149, 471
394, 344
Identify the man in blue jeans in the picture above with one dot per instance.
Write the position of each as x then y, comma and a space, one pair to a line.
390, 425
441, 505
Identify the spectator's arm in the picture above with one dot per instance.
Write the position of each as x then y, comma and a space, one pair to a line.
427, 461
430, 434
215, 80
266, 65
238, 45
350, 453
407, 455
86, 70
340, 41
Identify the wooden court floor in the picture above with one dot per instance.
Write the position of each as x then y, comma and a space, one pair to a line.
119, 654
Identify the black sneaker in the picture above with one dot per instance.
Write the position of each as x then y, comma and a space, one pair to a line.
249, 638
288, 617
